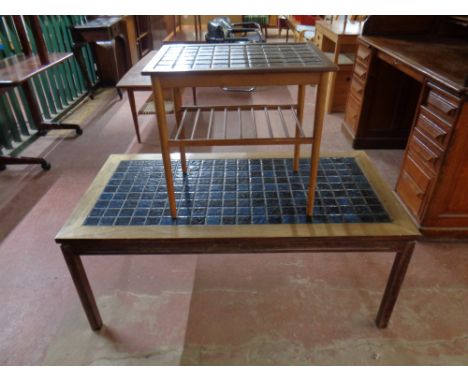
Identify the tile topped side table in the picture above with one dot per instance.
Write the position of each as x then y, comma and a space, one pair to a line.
205, 65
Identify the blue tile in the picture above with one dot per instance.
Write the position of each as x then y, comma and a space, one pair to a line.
97, 212
122, 221
243, 211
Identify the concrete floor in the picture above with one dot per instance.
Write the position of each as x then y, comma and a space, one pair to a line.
267, 309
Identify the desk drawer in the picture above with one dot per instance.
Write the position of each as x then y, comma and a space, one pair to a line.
353, 107
413, 185
357, 88
360, 72
363, 55
428, 155
442, 105
437, 133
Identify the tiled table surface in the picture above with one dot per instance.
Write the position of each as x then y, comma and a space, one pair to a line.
242, 191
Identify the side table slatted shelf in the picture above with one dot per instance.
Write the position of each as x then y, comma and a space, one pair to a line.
238, 126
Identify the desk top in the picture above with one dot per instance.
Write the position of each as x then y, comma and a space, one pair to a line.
442, 59
17, 69
399, 227
239, 58
133, 79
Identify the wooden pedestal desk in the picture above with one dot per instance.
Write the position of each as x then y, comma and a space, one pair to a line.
78, 239
206, 65
409, 91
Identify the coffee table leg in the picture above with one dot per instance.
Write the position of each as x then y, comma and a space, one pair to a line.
78, 274
318, 126
395, 280
131, 100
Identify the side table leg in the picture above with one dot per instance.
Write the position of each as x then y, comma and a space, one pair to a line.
300, 117
78, 274
131, 100
318, 126
395, 280
177, 96
164, 142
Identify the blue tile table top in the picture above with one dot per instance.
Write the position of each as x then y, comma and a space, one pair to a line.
237, 191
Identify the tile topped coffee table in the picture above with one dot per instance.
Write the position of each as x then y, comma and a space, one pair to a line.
125, 211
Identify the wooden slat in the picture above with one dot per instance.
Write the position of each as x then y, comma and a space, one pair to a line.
239, 142
195, 123
179, 130
239, 116
225, 123
254, 124
210, 124
270, 130
298, 123
242, 107
283, 123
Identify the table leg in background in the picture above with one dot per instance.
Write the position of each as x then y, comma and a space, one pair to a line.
318, 127
300, 117
78, 274
164, 142
177, 105
131, 100
395, 280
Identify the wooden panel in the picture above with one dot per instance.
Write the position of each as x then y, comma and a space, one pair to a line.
340, 95
388, 108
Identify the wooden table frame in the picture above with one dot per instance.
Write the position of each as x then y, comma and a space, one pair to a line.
77, 240
178, 80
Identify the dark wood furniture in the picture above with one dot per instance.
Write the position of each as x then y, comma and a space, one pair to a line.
409, 90
17, 71
139, 35
77, 239
109, 46
225, 65
338, 40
